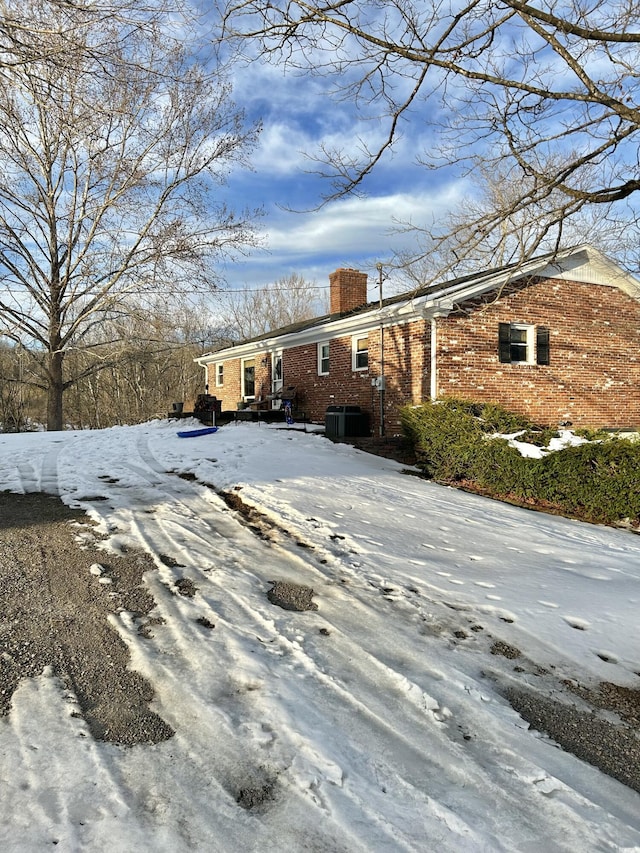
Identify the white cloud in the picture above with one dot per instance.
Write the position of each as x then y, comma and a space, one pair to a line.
355, 232
359, 226
281, 150
301, 117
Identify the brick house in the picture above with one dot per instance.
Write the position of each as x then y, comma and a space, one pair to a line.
556, 338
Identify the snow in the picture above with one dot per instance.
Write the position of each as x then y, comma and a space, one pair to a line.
565, 438
377, 718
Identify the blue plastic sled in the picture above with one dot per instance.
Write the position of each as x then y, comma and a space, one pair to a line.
192, 433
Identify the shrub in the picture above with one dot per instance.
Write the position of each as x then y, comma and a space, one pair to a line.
450, 438
454, 441
598, 482
443, 435
500, 469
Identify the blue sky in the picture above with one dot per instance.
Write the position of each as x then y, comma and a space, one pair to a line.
298, 116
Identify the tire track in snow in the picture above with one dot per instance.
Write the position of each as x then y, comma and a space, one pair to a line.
344, 704
44, 478
269, 630
283, 672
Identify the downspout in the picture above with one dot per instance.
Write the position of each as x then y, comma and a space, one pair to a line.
433, 373
381, 379
205, 367
438, 309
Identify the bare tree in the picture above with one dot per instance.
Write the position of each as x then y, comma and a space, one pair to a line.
146, 362
551, 89
457, 244
249, 312
49, 29
110, 163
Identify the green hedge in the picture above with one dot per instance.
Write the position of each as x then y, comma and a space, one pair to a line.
455, 441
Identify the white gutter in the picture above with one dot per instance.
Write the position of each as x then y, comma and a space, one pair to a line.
368, 321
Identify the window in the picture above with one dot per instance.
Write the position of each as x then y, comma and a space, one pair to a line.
219, 375
361, 353
516, 344
323, 358
249, 378
277, 367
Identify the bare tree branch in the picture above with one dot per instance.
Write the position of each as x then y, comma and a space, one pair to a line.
249, 312
553, 90
110, 167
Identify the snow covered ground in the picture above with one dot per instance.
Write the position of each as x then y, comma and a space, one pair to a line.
374, 722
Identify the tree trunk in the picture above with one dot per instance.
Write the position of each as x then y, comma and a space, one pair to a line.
54, 392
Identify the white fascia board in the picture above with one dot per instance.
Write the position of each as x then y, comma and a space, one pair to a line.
239, 351
589, 266
367, 321
581, 263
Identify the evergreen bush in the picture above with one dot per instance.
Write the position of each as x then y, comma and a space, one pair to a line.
459, 441
599, 482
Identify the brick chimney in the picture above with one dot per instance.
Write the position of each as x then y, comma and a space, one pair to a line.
348, 289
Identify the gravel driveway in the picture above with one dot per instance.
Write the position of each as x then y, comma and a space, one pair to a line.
57, 590
55, 597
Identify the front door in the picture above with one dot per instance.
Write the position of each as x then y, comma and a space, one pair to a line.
276, 379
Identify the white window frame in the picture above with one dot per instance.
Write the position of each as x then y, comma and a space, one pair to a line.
277, 378
529, 343
251, 362
355, 351
219, 375
321, 358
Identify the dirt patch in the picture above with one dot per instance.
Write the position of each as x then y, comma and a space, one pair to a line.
186, 587
254, 520
624, 701
505, 650
252, 798
55, 597
612, 747
601, 727
291, 596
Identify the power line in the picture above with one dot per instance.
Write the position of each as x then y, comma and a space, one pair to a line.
188, 292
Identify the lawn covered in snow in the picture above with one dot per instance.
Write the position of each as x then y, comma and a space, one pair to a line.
376, 722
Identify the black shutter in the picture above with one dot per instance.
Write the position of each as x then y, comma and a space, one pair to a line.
504, 342
542, 345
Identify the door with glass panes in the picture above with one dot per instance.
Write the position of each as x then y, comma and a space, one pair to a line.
276, 379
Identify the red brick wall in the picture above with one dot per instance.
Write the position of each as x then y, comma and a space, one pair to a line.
342, 386
593, 378
406, 366
230, 392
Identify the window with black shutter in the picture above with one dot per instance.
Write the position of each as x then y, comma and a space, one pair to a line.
516, 340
